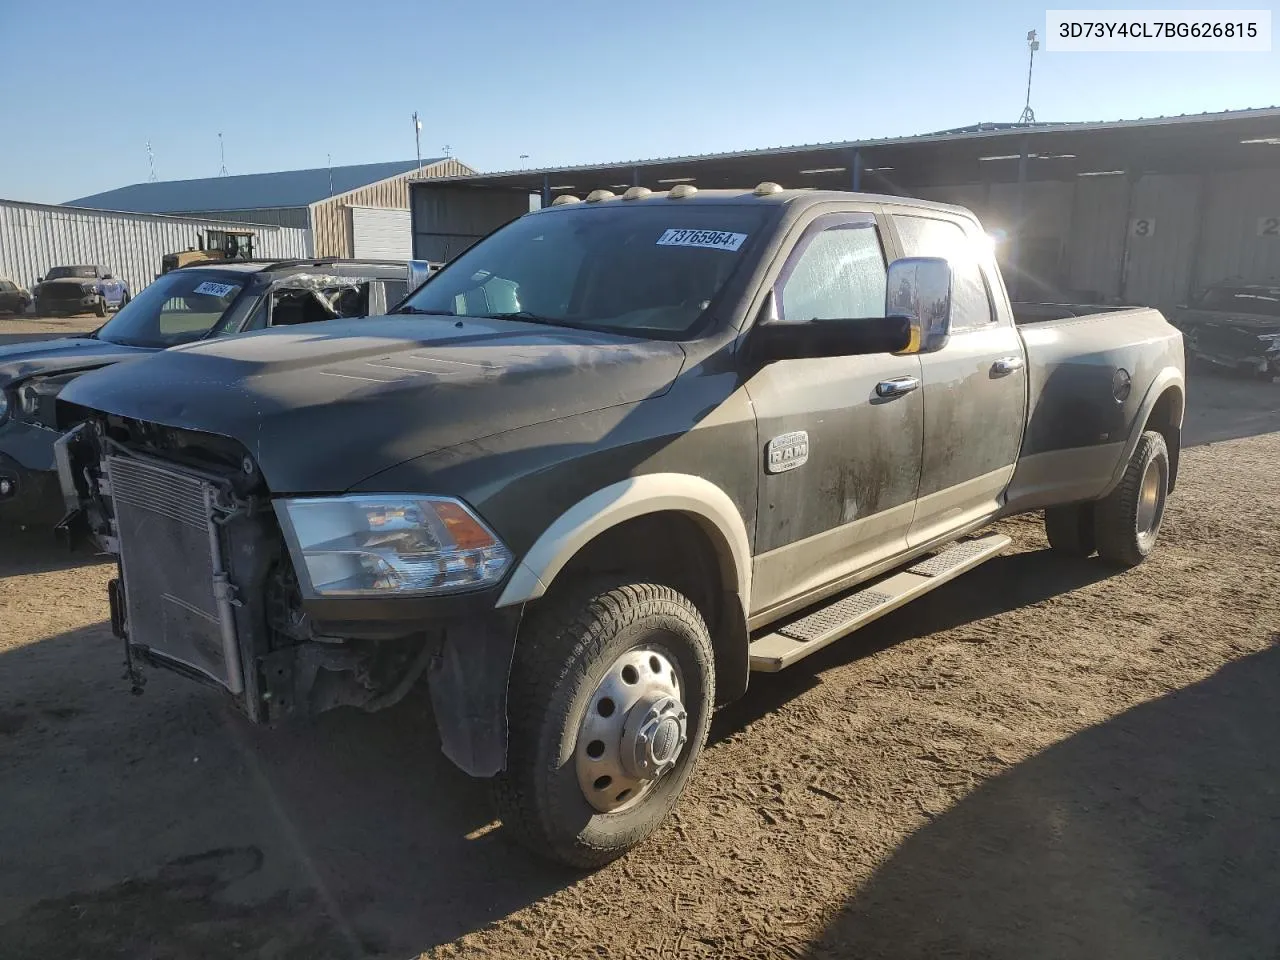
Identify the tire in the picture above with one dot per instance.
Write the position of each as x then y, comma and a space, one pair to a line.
1127, 520
568, 653
100, 308
124, 302
1071, 529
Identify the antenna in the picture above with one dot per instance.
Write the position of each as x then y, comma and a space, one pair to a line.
1029, 115
417, 141
222, 155
151, 164
448, 150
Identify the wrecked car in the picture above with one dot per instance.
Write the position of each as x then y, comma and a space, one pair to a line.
620, 453
185, 305
1234, 325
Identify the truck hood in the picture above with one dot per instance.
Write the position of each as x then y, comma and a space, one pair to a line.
67, 282
322, 407
19, 361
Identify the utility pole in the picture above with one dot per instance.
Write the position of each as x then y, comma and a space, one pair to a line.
417, 141
222, 154
448, 150
1029, 115
328, 157
151, 164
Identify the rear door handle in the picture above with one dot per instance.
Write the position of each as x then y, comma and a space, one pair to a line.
1006, 365
896, 387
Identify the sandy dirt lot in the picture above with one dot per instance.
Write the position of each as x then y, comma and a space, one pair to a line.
20, 329
1043, 759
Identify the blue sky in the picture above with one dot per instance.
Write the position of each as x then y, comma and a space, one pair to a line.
564, 81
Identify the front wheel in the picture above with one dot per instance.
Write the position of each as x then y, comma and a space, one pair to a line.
100, 308
609, 705
1127, 520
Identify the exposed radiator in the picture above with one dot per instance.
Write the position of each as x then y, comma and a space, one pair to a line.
176, 598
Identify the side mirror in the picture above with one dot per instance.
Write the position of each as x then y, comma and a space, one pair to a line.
419, 271
919, 291
917, 319
39, 279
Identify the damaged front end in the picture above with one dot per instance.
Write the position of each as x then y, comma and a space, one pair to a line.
260, 596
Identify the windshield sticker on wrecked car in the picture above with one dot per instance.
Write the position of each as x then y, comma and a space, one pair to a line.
716, 239
215, 289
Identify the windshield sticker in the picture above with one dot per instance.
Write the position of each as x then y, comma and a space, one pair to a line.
215, 289
716, 239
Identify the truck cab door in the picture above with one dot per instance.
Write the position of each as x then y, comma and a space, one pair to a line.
839, 452
975, 388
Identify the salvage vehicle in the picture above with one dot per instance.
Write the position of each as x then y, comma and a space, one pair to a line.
1234, 325
191, 304
624, 452
80, 289
13, 298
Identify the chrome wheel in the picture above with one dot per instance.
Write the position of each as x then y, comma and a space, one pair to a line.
633, 731
1151, 496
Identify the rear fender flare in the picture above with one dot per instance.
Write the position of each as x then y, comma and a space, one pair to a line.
1166, 378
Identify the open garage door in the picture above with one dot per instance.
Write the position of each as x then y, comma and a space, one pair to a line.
380, 234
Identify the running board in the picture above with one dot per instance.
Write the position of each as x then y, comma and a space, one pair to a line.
808, 634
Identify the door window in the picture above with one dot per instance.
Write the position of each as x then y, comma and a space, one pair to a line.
927, 237
838, 274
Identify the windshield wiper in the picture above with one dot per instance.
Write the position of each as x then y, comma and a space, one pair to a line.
530, 317
424, 313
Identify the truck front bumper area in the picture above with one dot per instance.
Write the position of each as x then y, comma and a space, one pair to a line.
29, 492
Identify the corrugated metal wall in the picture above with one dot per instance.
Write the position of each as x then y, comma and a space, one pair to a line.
298, 217
1154, 242
35, 237
447, 219
331, 223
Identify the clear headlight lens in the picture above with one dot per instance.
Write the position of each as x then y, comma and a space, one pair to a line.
374, 545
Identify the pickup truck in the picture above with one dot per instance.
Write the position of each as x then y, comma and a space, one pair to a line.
80, 289
185, 305
604, 464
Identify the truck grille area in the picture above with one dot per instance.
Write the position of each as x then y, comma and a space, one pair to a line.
170, 563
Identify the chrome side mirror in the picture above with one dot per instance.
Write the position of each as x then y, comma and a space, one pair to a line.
919, 290
419, 271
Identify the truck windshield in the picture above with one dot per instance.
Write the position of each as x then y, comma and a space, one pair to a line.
1261, 302
179, 307
62, 273
647, 269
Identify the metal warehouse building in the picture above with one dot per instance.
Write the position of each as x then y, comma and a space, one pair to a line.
352, 211
37, 236
1138, 211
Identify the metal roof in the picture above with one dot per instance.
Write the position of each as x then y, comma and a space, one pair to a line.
250, 191
961, 143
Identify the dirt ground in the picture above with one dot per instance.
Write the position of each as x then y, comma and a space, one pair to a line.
1043, 759
20, 329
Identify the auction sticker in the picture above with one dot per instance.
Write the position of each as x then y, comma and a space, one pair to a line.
715, 239
215, 289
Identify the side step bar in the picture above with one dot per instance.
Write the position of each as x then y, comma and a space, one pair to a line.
810, 632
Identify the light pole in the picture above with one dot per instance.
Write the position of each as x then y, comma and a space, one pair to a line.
417, 141
1029, 115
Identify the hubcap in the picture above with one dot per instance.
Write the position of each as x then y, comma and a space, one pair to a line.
633, 731
1151, 499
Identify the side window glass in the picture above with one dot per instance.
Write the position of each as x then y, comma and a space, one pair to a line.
927, 237
839, 274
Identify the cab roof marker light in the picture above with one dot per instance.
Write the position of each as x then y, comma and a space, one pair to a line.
682, 190
767, 189
565, 198
635, 193
817, 170
597, 195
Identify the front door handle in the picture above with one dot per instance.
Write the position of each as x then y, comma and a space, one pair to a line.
1006, 365
896, 387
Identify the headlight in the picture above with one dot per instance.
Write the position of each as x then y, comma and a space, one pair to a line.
370, 545
1270, 339
89, 287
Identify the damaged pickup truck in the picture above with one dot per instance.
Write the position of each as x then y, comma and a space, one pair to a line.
183, 306
622, 453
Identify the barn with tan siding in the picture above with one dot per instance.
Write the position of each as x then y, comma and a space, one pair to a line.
360, 210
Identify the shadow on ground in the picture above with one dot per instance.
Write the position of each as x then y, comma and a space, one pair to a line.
164, 825
1227, 406
37, 549
1153, 835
